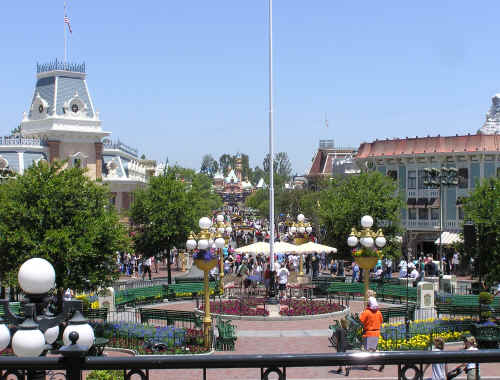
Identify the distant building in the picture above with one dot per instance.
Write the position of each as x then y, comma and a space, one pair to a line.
233, 189
63, 124
332, 161
475, 156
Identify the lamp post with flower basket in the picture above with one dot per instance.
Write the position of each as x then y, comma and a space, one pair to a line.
366, 244
205, 260
300, 231
222, 231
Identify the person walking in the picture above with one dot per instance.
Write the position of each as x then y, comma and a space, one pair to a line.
146, 268
439, 370
372, 320
283, 274
470, 368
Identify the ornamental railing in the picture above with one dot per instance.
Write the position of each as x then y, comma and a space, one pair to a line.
59, 65
410, 364
15, 140
108, 144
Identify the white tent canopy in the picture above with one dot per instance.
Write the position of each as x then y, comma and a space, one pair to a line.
448, 238
261, 247
311, 247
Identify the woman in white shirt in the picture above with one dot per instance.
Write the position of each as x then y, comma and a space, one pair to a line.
439, 370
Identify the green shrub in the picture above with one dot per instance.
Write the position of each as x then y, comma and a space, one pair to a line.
105, 375
485, 298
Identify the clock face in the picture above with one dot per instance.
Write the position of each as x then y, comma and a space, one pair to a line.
74, 108
40, 108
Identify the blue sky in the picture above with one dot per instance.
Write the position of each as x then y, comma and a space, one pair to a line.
179, 79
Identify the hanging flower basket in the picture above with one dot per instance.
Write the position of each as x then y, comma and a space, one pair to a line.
205, 260
367, 262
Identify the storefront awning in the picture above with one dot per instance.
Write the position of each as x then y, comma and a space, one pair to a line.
448, 238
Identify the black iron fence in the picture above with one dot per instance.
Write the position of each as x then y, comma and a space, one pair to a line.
410, 364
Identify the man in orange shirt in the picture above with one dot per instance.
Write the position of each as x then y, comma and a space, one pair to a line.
372, 320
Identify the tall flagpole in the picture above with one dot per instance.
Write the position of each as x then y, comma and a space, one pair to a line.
65, 38
271, 148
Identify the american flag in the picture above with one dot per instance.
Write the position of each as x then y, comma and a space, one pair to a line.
66, 21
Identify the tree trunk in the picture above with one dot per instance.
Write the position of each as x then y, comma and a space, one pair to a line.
169, 262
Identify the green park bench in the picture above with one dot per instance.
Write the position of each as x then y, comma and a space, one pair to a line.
188, 289
226, 335
136, 296
96, 314
398, 312
170, 316
321, 284
15, 307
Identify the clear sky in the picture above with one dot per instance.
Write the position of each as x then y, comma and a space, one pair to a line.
179, 79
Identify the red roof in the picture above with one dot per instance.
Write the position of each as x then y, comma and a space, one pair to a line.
430, 145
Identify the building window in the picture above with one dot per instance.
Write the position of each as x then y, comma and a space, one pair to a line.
460, 213
421, 179
434, 214
423, 213
412, 179
393, 174
463, 178
412, 214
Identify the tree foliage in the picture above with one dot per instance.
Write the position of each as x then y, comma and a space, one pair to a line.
169, 208
65, 218
482, 208
209, 165
345, 201
282, 165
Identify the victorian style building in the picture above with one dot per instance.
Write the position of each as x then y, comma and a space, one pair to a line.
475, 156
62, 123
233, 189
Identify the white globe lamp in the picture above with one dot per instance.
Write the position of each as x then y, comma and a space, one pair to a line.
367, 221
205, 223
51, 334
366, 241
190, 244
36, 276
352, 241
380, 241
219, 243
302, 230
85, 333
4, 336
221, 230
229, 229
309, 229
293, 229
220, 218
203, 244
28, 341
301, 217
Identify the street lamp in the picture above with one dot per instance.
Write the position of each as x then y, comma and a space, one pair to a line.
38, 328
205, 260
300, 232
222, 238
365, 244
439, 178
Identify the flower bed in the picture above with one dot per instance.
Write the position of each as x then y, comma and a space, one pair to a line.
146, 339
420, 333
238, 307
296, 307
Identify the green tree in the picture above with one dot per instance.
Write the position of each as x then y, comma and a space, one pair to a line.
16, 131
169, 208
346, 200
65, 218
209, 165
282, 165
226, 161
482, 208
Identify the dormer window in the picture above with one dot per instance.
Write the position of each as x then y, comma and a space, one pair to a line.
78, 160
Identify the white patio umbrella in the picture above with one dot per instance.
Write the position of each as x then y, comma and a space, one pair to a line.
261, 247
311, 247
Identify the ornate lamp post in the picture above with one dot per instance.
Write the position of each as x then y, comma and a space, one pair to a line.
204, 260
222, 238
39, 328
439, 178
365, 243
300, 231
